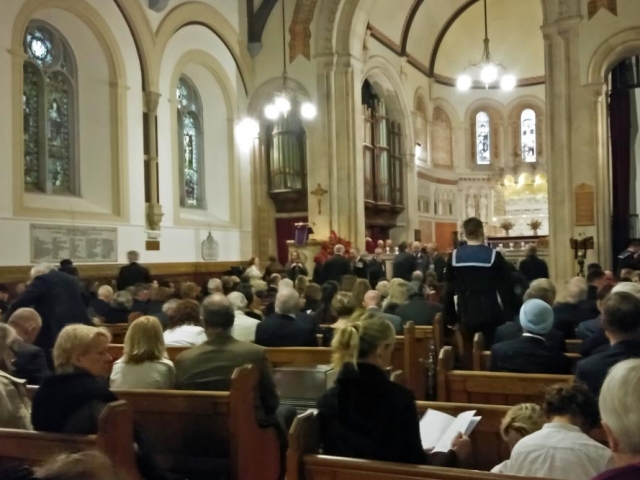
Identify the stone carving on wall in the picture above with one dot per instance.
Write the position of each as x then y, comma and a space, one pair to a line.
300, 29
484, 208
442, 139
471, 205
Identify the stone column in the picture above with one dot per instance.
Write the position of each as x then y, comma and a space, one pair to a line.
154, 209
337, 163
570, 131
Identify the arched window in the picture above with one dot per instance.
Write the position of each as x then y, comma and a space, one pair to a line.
528, 138
483, 139
49, 112
190, 144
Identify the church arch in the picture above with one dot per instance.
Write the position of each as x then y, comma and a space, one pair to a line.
210, 18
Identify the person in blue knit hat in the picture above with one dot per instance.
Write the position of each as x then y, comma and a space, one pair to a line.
530, 353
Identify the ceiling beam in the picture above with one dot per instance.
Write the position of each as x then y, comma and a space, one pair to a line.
408, 22
256, 22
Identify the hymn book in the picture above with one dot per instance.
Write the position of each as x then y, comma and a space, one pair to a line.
437, 429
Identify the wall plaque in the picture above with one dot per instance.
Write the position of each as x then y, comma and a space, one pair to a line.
209, 249
52, 243
585, 205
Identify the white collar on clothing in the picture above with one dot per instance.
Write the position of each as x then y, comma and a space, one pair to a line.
12, 379
561, 426
534, 336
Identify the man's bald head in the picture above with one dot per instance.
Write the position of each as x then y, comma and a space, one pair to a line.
27, 324
371, 299
217, 313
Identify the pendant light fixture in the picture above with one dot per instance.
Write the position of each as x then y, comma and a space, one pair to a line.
486, 70
285, 97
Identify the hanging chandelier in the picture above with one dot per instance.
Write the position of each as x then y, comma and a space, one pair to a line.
285, 97
486, 70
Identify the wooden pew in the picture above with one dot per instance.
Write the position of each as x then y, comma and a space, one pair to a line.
488, 448
491, 388
114, 439
117, 331
414, 353
482, 357
573, 346
197, 433
304, 463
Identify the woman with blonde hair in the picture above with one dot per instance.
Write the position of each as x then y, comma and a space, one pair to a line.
397, 296
144, 363
15, 408
360, 288
365, 415
301, 283
342, 305
72, 400
519, 421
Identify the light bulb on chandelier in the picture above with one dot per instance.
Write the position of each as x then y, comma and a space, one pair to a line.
271, 112
308, 111
464, 82
508, 83
489, 73
282, 104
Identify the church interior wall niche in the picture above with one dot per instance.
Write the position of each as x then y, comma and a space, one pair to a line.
441, 139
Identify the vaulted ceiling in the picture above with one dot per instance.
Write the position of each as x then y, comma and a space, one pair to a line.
441, 37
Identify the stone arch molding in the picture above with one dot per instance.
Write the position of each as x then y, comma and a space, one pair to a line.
217, 71
380, 73
84, 12
612, 51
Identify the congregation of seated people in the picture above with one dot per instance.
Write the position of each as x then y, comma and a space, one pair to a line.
358, 309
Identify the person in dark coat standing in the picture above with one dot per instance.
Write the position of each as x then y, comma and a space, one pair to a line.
532, 266
531, 353
337, 266
438, 261
480, 279
133, 273
377, 268
359, 266
621, 323
422, 259
57, 297
404, 264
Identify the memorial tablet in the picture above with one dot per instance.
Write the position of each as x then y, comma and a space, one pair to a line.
82, 244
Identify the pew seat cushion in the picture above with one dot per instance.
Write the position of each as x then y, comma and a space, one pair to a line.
365, 415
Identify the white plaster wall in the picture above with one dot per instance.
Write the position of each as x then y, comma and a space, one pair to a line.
178, 244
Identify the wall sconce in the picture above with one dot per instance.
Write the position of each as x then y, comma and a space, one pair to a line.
418, 149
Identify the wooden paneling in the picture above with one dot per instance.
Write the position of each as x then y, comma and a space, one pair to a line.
444, 235
178, 270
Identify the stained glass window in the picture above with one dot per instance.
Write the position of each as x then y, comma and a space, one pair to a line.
528, 135
48, 103
483, 139
190, 144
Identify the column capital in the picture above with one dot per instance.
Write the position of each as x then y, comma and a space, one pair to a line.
151, 100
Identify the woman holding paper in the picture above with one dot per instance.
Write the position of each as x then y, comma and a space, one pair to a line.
365, 415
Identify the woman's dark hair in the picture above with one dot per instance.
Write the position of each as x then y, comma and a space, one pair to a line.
187, 312
325, 314
575, 401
